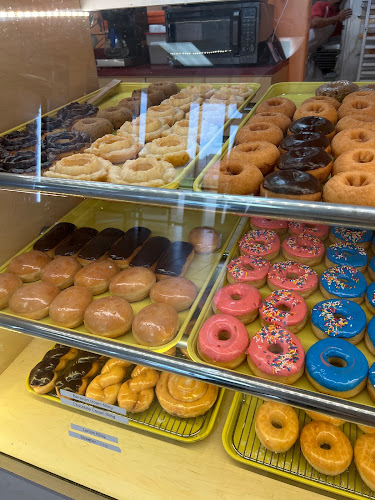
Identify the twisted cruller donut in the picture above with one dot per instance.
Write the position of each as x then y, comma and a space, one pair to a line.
261, 154
356, 121
142, 172
84, 167
276, 426
146, 130
136, 395
167, 113
364, 452
277, 105
357, 188
173, 149
278, 119
105, 387
322, 108
115, 148
359, 106
352, 138
236, 178
261, 131
356, 160
185, 397
183, 100
324, 98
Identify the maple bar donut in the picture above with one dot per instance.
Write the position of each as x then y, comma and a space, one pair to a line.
115, 148
9, 282
260, 243
356, 188
150, 252
155, 325
356, 121
94, 127
305, 140
239, 300
336, 367
338, 89
370, 298
326, 448
117, 115
276, 354
312, 160
313, 124
204, 239
28, 266
315, 108
223, 341
352, 138
109, 317
356, 160
96, 276
346, 254
291, 184
293, 276
303, 248
237, 178
320, 231
277, 105
53, 237
364, 451
98, 247
338, 318
60, 272
359, 237
132, 284
248, 269
176, 292
324, 98
261, 154
33, 300
343, 282
175, 261
279, 119
259, 131
357, 106
320, 417
285, 309
68, 308
279, 226
277, 426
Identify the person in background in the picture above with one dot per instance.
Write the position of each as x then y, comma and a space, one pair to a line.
326, 22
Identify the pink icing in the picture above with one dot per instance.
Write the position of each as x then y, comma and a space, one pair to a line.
249, 299
306, 278
295, 304
264, 223
304, 245
286, 363
318, 230
260, 242
223, 351
238, 271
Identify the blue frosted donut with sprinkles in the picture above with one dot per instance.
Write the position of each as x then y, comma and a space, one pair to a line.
371, 269
346, 254
361, 237
370, 298
370, 336
371, 382
336, 367
343, 282
340, 319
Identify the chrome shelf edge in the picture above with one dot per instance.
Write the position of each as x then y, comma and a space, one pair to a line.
224, 378
325, 213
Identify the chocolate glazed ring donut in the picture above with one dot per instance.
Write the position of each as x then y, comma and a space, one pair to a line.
313, 124
66, 142
313, 160
14, 141
47, 124
305, 139
292, 184
76, 111
25, 162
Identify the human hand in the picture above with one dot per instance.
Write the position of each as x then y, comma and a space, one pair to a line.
344, 14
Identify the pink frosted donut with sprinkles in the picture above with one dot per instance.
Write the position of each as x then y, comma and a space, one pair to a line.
248, 269
304, 248
284, 309
289, 275
239, 300
279, 226
260, 243
360, 237
276, 354
319, 230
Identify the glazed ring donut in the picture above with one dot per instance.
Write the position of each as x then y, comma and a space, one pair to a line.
359, 106
277, 105
183, 100
143, 172
323, 109
356, 188
333, 458
261, 131
115, 148
173, 149
324, 98
356, 121
352, 138
117, 115
94, 127
261, 154
277, 426
167, 87
167, 113
152, 129
369, 95
357, 160
320, 417
235, 178
364, 450
28, 266
81, 166
279, 119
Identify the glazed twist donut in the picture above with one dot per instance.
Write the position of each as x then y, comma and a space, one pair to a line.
262, 131
356, 188
115, 148
136, 395
277, 105
143, 172
357, 160
166, 112
352, 138
82, 166
357, 106
105, 387
322, 108
185, 397
173, 149
324, 98
356, 121
152, 128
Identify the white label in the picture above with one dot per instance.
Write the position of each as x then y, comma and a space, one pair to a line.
94, 410
92, 402
91, 440
97, 434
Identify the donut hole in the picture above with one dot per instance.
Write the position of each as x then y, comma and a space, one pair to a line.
223, 335
258, 127
235, 296
277, 424
275, 102
363, 156
357, 180
338, 362
275, 349
292, 276
249, 267
325, 446
283, 307
359, 104
338, 316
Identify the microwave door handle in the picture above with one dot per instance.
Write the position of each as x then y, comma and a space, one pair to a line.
235, 32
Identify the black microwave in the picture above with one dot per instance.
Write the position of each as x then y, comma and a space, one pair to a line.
221, 33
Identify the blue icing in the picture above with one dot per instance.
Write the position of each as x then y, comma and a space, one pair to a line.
354, 285
371, 375
351, 234
333, 378
370, 294
371, 330
351, 324
347, 254
372, 263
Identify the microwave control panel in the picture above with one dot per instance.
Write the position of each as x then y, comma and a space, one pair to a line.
249, 25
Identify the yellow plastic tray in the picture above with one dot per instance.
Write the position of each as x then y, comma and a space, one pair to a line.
306, 335
295, 91
173, 223
124, 90
241, 443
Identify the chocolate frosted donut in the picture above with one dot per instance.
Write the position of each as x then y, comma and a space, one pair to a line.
305, 139
14, 141
76, 111
47, 124
313, 124
26, 162
313, 160
293, 184
338, 90
62, 143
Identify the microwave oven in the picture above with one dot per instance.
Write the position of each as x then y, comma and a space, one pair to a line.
222, 33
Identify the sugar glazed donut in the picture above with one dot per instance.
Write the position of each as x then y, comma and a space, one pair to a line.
314, 108
343, 282
352, 138
356, 188
356, 160
303, 248
276, 354
60, 272
132, 284
290, 275
239, 300
364, 450
277, 426
259, 131
68, 308
277, 105
248, 269
260, 243
320, 417
28, 266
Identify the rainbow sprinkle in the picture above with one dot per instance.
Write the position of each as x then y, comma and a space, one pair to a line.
311, 245
271, 313
350, 235
260, 241
280, 269
237, 270
332, 277
332, 325
274, 335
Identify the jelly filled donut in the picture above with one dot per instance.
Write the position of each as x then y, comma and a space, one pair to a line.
279, 226
239, 300
9, 282
341, 254
248, 269
177, 292
338, 318
290, 275
304, 140
371, 382
291, 184
284, 309
223, 341
29, 265
364, 450
361, 237
155, 325
370, 298
33, 300
336, 367
312, 160
318, 230
313, 124
276, 354
276, 426
109, 317
261, 243
304, 248
343, 282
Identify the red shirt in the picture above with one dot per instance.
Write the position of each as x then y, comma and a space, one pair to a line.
325, 9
